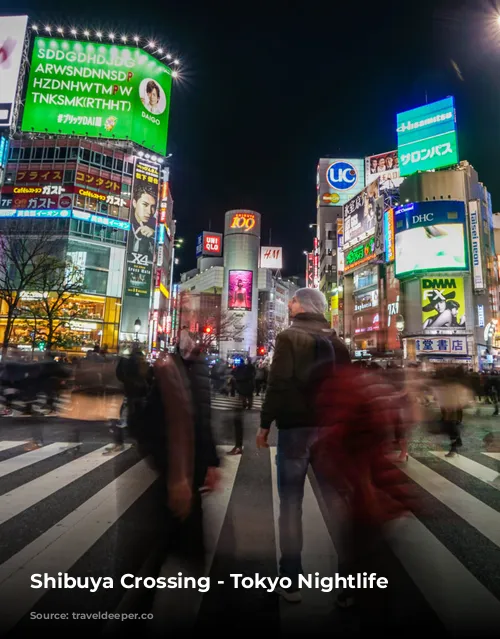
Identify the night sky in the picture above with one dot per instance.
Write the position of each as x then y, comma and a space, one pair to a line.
267, 89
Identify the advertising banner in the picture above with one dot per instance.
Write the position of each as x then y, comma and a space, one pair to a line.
360, 255
338, 181
430, 236
360, 215
240, 290
12, 36
475, 241
385, 167
427, 137
141, 240
442, 345
212, 244
379, 227
443, 303
310, 270
389, 239
98, 90
199, 245
97, 182
4, 152
271, 257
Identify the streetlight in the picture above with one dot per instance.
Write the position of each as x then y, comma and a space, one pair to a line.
137, 328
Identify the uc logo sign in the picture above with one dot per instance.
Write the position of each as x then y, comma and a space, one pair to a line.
341, 176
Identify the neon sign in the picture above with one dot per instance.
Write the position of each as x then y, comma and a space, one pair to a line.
244, 221
360, 255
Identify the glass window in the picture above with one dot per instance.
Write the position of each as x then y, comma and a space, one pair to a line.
14, 153
69, 177
108, 161
61, 152
38, 153
118, 165
50, 152
73, 152
95, 281
85, 155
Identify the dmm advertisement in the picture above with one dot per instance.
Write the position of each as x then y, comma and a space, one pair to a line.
385, 167
12, 35
360, 216
427, 137
443, 302
98, 90
338, 181
240, 290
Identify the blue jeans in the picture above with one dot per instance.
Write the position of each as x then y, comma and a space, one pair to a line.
293, 459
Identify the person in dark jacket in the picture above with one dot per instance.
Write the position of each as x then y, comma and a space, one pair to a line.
287, 402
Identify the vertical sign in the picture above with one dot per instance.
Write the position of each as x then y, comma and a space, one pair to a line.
140, 246
379, 226
310, 270
340, 246
477, 266
389, 236
316, 263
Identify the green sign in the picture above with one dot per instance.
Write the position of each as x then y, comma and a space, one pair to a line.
359, 255
427, 137
98, 91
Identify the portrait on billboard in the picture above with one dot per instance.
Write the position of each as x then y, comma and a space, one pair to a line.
443, 303
152, 96
385, 168
428, 248
360, 215
143, 217
240, 290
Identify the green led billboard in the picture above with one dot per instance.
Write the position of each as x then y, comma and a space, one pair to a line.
98, 90
427, 137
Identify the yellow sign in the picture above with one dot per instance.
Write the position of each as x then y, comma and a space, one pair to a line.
443, 302
243, 221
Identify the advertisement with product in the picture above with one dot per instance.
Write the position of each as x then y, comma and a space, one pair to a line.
430, 236
98, 90
385, 167
240, 290
141, 239
338, 181
427, 137
443, 303
360, 215
12, 36
271, 257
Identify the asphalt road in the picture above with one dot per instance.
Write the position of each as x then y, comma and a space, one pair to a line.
66, 507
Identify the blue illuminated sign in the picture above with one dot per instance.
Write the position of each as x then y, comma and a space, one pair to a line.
100, 219
34, 213
4, 151
199, 245
418, 214
161, 235
342, 175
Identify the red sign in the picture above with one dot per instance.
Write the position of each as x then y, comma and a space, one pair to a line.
243, 221
212, 243
158, 278
98, 182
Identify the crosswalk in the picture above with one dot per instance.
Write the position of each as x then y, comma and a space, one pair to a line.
64, 506
225, 402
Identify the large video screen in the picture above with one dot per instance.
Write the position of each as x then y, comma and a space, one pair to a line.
240, 290
431, 248
98, 91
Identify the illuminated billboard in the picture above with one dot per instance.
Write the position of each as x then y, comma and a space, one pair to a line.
360, 217
271, 257
246, 222
427, 137
240, 291
430, 236
12, 36
98, 90
443, 303
359, 255
385, 168
338, 181
389, 237
209, 244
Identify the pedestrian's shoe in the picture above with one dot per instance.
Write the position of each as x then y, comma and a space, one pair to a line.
117, 448
292, 596
236, 451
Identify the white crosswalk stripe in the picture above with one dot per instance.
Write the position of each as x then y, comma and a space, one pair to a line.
446, 583
223, 402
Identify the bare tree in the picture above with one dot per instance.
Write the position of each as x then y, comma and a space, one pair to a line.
27, 252
227, 327
59, 283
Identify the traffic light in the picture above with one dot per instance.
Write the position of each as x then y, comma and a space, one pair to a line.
261, 350
207, 330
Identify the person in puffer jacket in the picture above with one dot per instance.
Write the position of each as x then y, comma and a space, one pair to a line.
358, 413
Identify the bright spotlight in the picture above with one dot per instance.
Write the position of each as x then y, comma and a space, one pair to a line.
73, 32
98, 34
60, 30
86, 33
175, 74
